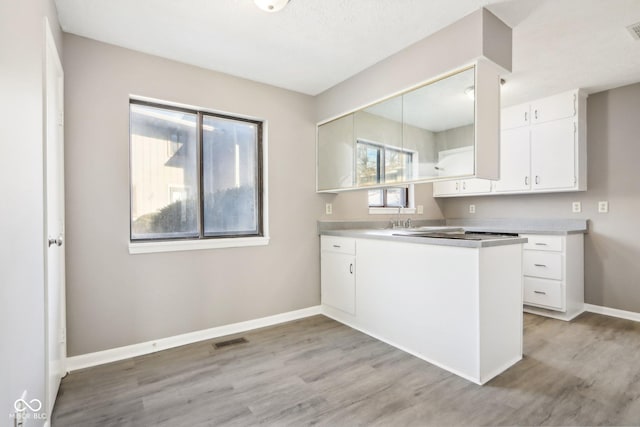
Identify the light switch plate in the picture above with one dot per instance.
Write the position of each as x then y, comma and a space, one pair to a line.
603, 206
328, 208
420, 209
576, 207
472, 208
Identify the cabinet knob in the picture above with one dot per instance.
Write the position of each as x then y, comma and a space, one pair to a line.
537, 179
526, 180
539, 265
539, 292
535, 114
351, 268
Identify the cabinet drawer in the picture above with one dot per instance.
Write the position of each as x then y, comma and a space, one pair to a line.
343, 245
543, 292
547, 265
539, 242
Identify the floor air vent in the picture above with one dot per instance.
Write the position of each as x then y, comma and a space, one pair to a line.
634, 29
228, 343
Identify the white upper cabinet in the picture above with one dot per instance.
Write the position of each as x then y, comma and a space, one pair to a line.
515, 160
561, 106
401, 139
336, 154
543, 148
553, 149
514, 117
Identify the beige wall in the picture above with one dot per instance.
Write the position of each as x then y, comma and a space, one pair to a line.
116, 299
22, 276
612, 247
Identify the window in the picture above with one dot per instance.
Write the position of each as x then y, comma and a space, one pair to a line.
396, 197
195, 175
381, 164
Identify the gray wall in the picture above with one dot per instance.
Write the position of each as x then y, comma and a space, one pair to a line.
612, 247
22, 276
116, 299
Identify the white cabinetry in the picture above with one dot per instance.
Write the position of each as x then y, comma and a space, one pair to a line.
337, 273
457, 162
461, 186
543, 148
553, 268
553, 160
515, 161
458, 308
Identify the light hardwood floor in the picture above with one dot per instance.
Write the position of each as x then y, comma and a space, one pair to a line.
318, 371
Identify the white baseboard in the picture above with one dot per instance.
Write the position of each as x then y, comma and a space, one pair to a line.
613, 312
120, 353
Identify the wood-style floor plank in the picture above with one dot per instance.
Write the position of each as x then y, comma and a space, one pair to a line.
317, 371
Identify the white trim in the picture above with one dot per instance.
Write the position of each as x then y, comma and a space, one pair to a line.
120, 353
192, 245
613, 312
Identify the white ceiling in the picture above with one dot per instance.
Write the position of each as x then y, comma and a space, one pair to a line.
313, 44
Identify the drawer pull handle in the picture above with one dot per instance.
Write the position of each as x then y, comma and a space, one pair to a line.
350, 268
539, 292
337, 246
539, 265
541, 244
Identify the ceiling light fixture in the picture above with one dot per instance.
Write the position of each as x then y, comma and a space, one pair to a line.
271, 5
471, 90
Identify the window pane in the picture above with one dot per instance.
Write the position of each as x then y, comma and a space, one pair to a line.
368, 166
397, 165
396, 197
375, 198
230, 177
164, 173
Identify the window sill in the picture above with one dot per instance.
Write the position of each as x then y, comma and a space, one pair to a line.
194, 245
389, 211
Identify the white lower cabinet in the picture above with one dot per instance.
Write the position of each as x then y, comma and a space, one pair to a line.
455, 307
553, 268
338, 273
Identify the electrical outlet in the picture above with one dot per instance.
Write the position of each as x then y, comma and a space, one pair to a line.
576, 207
420, 209
603, 206
472, 208
328, 208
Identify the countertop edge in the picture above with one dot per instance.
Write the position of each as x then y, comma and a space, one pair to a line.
380, 235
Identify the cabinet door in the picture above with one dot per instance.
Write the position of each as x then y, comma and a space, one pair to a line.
475, 186
515, 159
338, 281
516, 116
446, 188
335, 152
553, 153
555, 107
